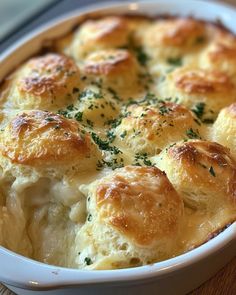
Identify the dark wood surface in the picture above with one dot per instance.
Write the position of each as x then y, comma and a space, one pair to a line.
223, 283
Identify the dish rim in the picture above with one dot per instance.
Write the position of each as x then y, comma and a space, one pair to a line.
54, 277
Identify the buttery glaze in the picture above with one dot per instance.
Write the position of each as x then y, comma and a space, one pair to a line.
118, 148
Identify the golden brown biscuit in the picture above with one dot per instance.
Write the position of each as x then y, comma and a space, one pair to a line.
45, 83
104, 33
220, 53
114, 68
193, 86
134, 214
43, 139
203, 172
149, 129
224, 128
171, 38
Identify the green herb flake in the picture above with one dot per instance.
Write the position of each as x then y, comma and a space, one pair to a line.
192, 134
111, 136
104, 145
114, 122
175, 61
113, 164
49, 119
88, 260
70, 107
141, 55
123, 134
79, 116
211, 170
89, 94
142, 159
114, 94
90, 123
164, 110
199, 109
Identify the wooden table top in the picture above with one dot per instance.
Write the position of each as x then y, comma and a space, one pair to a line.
223, 283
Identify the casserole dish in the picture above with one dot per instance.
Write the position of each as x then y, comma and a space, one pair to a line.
168, 277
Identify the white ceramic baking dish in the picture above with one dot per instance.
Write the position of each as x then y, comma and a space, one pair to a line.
178, 275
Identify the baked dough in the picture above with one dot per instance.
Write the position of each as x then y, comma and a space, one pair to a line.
47, 82
134, 215
117, 69
203, 172
194, 86
108, 32
44, 139
224, 128
151, 128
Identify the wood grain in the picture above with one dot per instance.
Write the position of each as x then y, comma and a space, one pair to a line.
223, 283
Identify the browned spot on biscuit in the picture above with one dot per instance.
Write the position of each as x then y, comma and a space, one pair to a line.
43, 138
222, 51
200, 81
106, 62
48, 75
142, 204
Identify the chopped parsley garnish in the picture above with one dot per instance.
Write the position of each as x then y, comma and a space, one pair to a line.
199, 109
148, 99
89, 94
49, 119
104, 145
192, 134
142, 159
89, 217
211, 170
90, 123
113, 164
114, 122
141, 56
70, 107
114, 94
111, 136
65, 113
79, 116
97, 83
123, 134
175, 61
164, 110
88, 260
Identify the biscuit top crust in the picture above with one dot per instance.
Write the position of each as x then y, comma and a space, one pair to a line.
44, 139
141, 203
